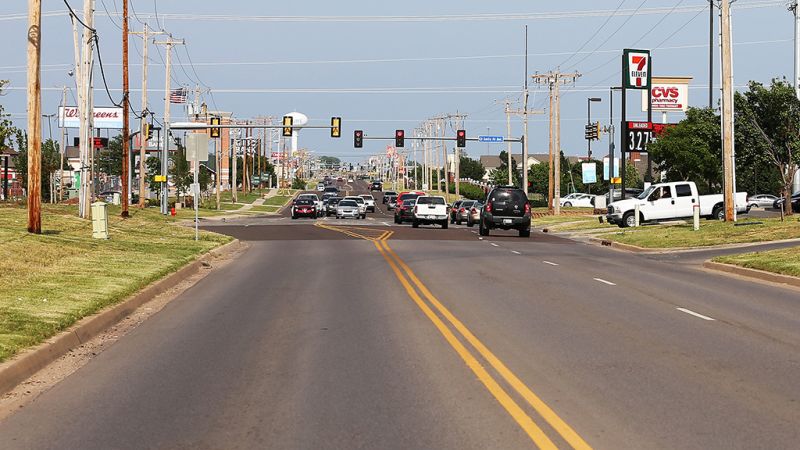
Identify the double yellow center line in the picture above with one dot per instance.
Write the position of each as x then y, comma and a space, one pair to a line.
412, 285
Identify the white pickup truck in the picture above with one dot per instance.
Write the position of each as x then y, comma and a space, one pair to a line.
430, 210
667, 201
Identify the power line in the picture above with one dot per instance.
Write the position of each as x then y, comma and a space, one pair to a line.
608, 19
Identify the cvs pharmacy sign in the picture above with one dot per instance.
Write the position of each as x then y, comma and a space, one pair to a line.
668, 94
636, 69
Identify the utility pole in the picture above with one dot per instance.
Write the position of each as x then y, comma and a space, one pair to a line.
165, 147
710, 58
146, 33
524, 113
525, 122
796, 82
86, 109
554, 79
63, 144
727, 111
34, 117
126, 188
508, 135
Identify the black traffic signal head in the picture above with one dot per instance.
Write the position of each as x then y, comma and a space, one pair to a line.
336, 127
399, 138
287, 126
588, 132
461, 138
358, 139
214, 133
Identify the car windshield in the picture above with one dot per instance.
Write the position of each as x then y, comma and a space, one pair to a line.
351, 203
646, 193
430, 201
406, 197
367, 197
515, 196
467, 204
333, 201
311, 197
304, 202
358, 200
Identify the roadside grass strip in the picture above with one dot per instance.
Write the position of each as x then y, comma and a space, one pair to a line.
712, 232
50, 281
278, 200
783, 261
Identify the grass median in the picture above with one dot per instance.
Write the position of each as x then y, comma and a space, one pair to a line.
712, 232
50, 281
784, 262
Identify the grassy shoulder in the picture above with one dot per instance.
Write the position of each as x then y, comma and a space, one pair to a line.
784, 262
711, 232
50, 281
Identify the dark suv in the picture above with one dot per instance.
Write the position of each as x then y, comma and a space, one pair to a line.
376, 186
506, 207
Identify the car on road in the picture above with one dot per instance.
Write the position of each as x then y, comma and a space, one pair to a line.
370, 202
348, 208
629, 193
339, 179
761, 200
315, 198
349, 179
331, 190
778, 204
463, 211
321, 187
388, 194
429, 209
578, 200
405, 200
376, 186
362, 205
454, 210
330, 207
507, 208
304, 207
669, 201
391, 201
474, 213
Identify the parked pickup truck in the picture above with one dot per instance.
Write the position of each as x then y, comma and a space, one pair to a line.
667, 201
430, 210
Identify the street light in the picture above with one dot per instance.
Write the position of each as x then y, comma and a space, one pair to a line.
589, 120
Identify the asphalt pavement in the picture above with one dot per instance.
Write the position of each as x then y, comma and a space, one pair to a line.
366, 334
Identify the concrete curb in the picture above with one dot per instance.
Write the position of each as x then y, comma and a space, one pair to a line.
753, 273
626, 247
637, 249
27, 363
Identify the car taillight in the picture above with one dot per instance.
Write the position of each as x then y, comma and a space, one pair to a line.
527, 208
415, 209
461, 210
488, 207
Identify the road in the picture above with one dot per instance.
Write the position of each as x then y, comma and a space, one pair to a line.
366, 334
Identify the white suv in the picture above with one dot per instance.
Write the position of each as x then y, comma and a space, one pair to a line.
370, 201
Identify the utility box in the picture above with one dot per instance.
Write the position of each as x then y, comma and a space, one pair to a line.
99, 220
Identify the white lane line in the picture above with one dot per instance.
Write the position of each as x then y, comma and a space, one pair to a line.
604, 281
385, 223
689, 311
550, 263
494, 245
474, 232
515, 252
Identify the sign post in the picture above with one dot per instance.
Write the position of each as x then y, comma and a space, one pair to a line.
196, 151
637, 69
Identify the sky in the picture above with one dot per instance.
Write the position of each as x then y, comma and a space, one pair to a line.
383, 66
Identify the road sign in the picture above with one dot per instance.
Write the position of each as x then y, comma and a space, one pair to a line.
616, 180
197, 147
490, 139
636, 69
160, 178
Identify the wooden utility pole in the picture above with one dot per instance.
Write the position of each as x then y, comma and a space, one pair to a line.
34, 117
126, 156
554, 80
727, 112
63, 143
146, 33
508, 135
86, 110
524, 113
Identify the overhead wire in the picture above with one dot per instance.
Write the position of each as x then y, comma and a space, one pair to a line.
591, 38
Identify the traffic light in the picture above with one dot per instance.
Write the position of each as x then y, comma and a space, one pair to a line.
287, 126
588, 132
358, 139
336, 127
461, 138
215, 131
399, 138
147, 130
598, 130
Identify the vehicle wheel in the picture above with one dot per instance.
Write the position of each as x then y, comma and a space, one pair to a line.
718, 213
444, 224
470, 224
395, 219
628, 220
415, 224
567, 204
483, 231
458, 222
364, 216
294, 217
525, 232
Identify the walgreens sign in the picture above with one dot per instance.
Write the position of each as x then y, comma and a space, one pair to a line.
668, 95
110, 118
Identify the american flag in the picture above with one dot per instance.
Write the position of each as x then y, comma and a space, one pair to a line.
178, 95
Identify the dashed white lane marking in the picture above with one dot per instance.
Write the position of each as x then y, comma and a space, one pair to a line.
515, 252
494, 245
689, 311
605, 282
480, 238
550, 263
474, 232
385, 223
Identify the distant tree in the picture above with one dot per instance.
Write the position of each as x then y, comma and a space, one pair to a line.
7, 129
179, 172
153, 168
499, 175
50, 161
110, 159
470, 168
539, 177
298, 183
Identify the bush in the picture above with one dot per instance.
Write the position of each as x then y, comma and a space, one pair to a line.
470, 191
299, 183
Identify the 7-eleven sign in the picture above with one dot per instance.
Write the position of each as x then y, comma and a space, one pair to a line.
636, 69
